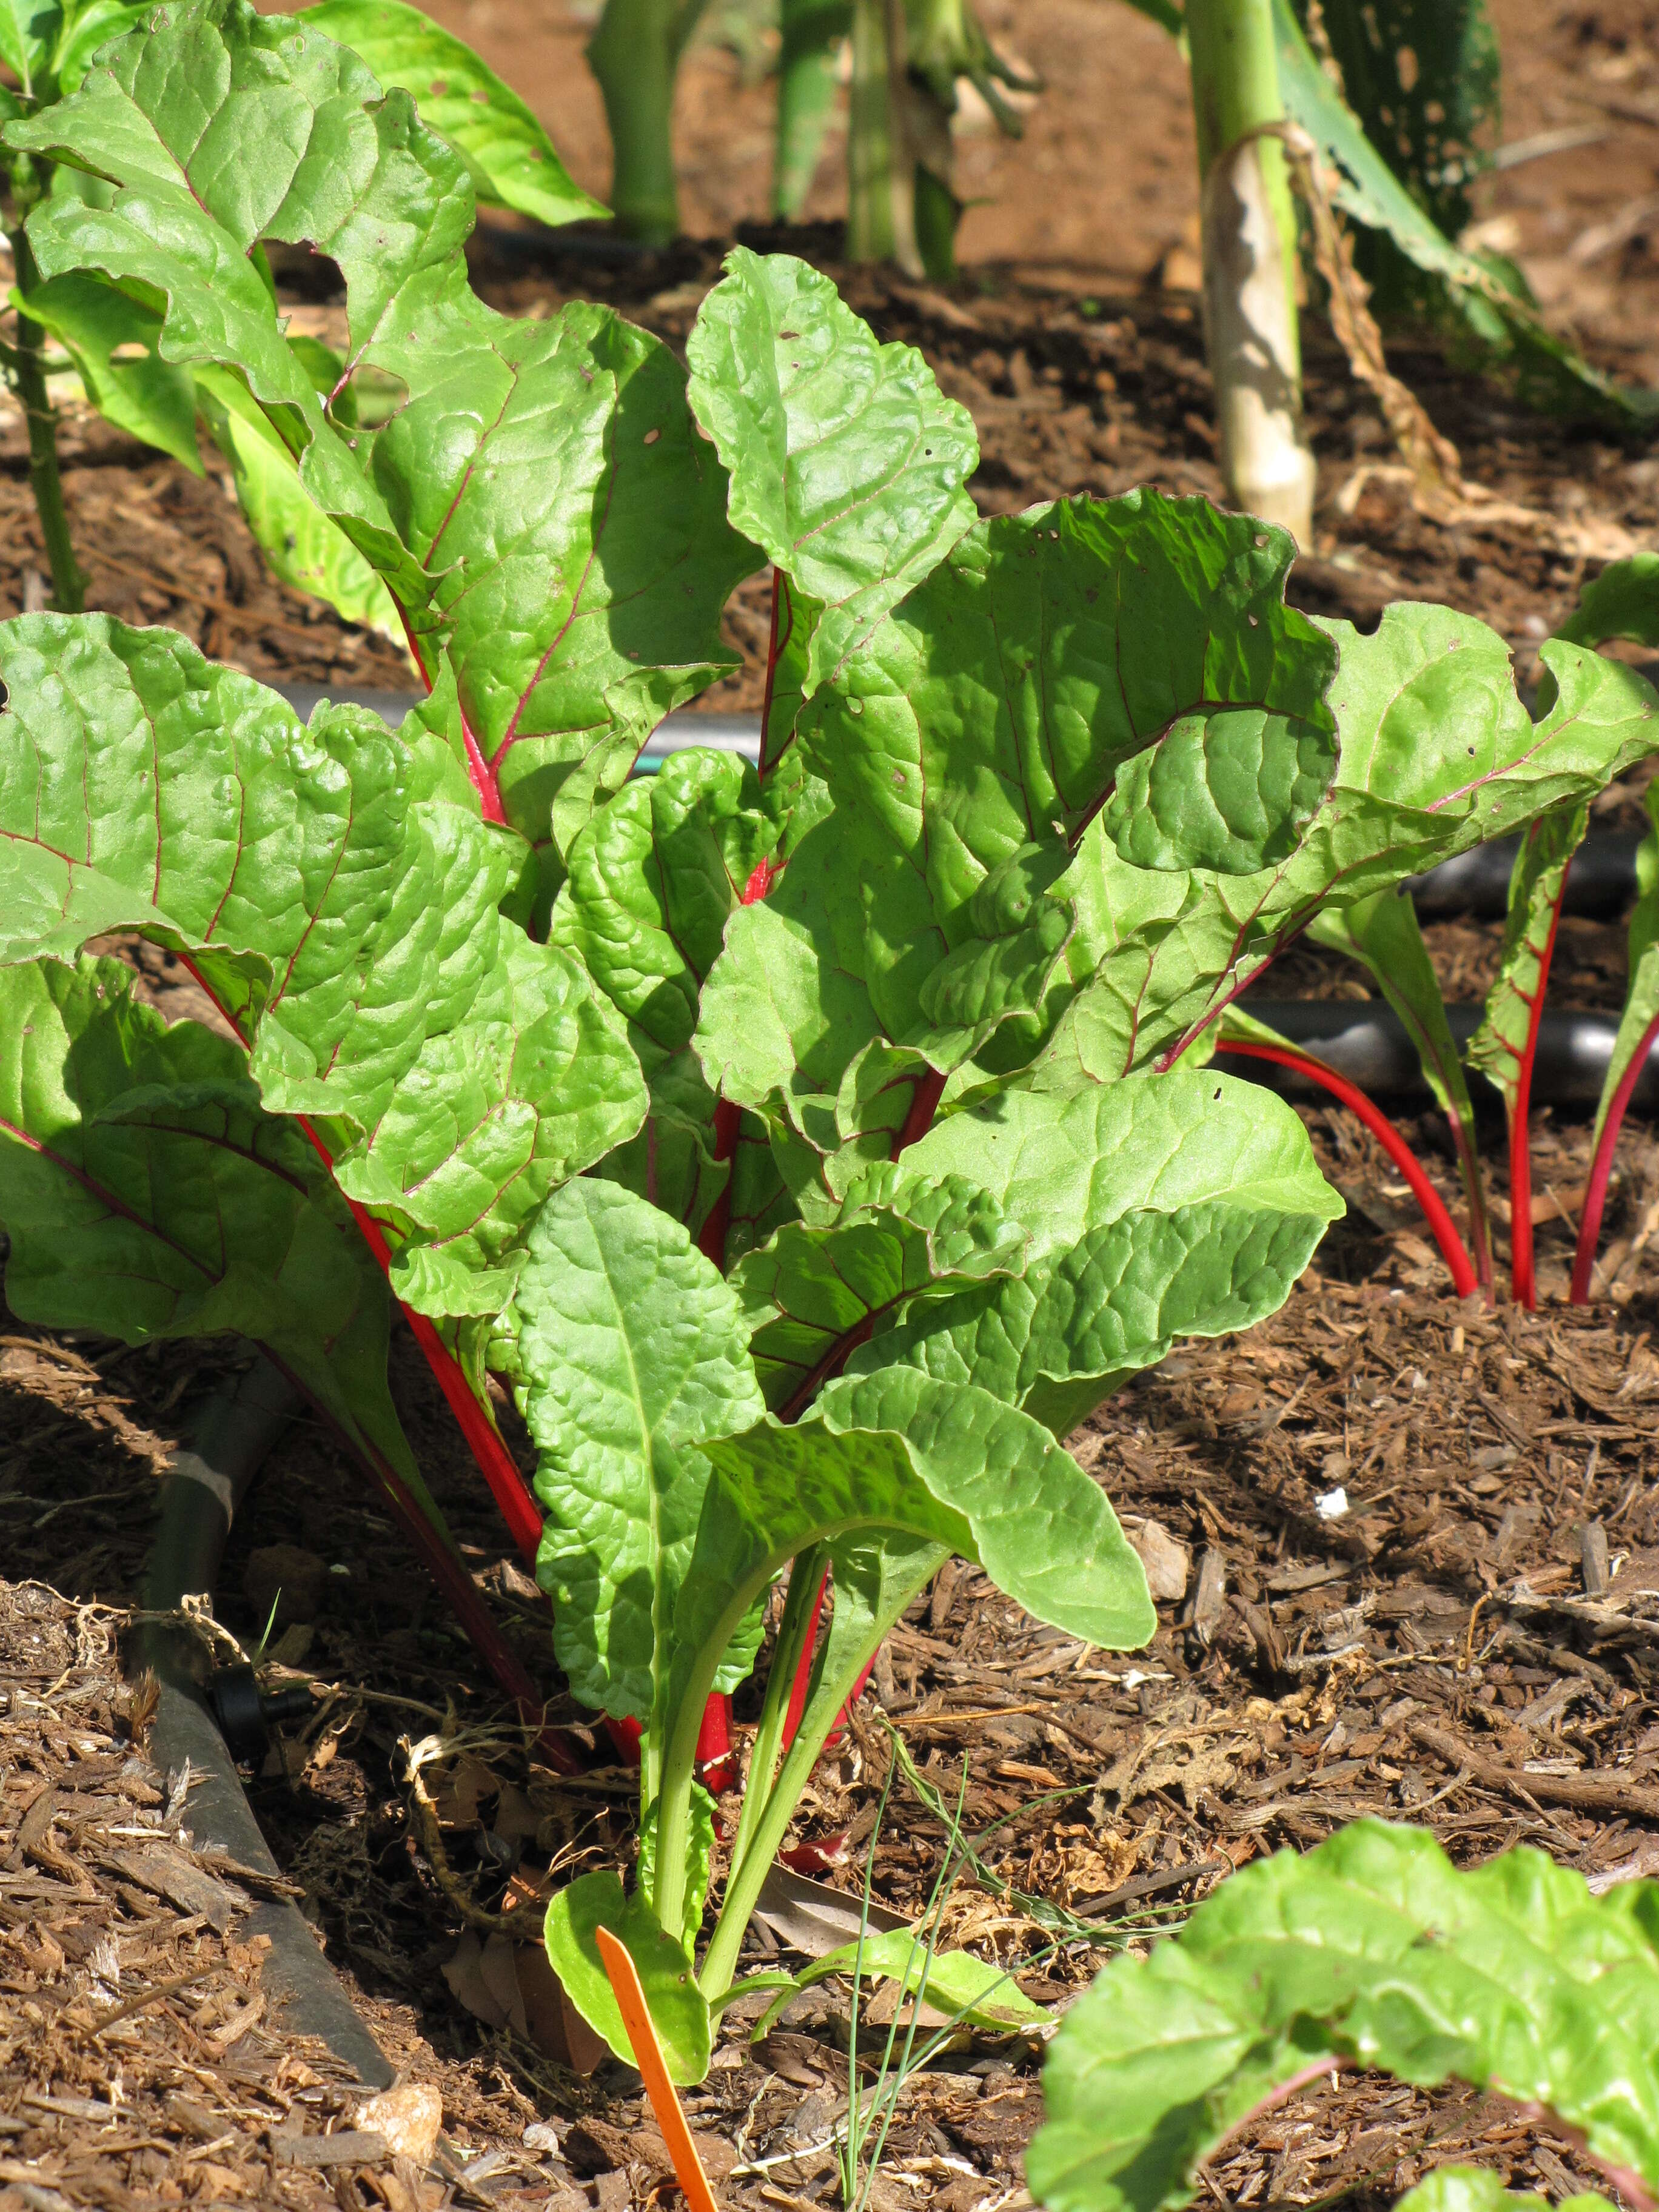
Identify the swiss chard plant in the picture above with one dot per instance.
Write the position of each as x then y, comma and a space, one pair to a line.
1371, 1952
111, 335
1381, 934
809, 1147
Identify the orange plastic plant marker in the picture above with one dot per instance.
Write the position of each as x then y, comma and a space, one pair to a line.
647, 2054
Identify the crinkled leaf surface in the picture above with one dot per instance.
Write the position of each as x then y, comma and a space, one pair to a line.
810, 1292
147, 1195
848, 465
337, 894
510, 156
1438, 755
1180, 1205
1512, 1977
630, 1353
998, 706
653, 879
677, 2010
540, 507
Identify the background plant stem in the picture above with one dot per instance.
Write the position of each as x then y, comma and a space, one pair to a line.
28, 376
1250, 238
880, 186
635, 55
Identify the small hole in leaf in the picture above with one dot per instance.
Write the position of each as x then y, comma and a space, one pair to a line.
438, 88
651, 436
1260, 538
1217, 1092
782, 335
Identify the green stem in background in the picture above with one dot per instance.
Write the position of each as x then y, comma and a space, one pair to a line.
811, 30
636, 56
1249, 235
880, 174
28, 375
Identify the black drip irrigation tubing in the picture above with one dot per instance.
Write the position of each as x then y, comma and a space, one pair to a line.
1366, 1041
197, 1704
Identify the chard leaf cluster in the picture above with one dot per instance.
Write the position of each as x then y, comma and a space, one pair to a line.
808, 1148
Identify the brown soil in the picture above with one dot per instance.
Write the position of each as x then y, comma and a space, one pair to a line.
1428, 1655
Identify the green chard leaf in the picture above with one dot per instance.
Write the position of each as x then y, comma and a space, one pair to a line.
901, 1454
848, 466
301, 546
1438, 755
629, 1355
1372, 1947
144, 395
337, 896
540, 507
1478, 2189
678, 2012
1623, 601
809, 1294
1183, 1205
509, 157
955, 1983
976, 752
1005, 703
148, 1195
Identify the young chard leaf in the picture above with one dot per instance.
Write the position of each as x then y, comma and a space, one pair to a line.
145, 397
630, 1354
653, 879
1478, 2189
1438, 755
678, 2012
300, 544
809, 1295
998, 707
1372, 1949
953, 1982
847, 464
508, 156
1212, 1209
1642, 997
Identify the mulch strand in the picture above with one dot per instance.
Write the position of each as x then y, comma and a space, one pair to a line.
1410, 1547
